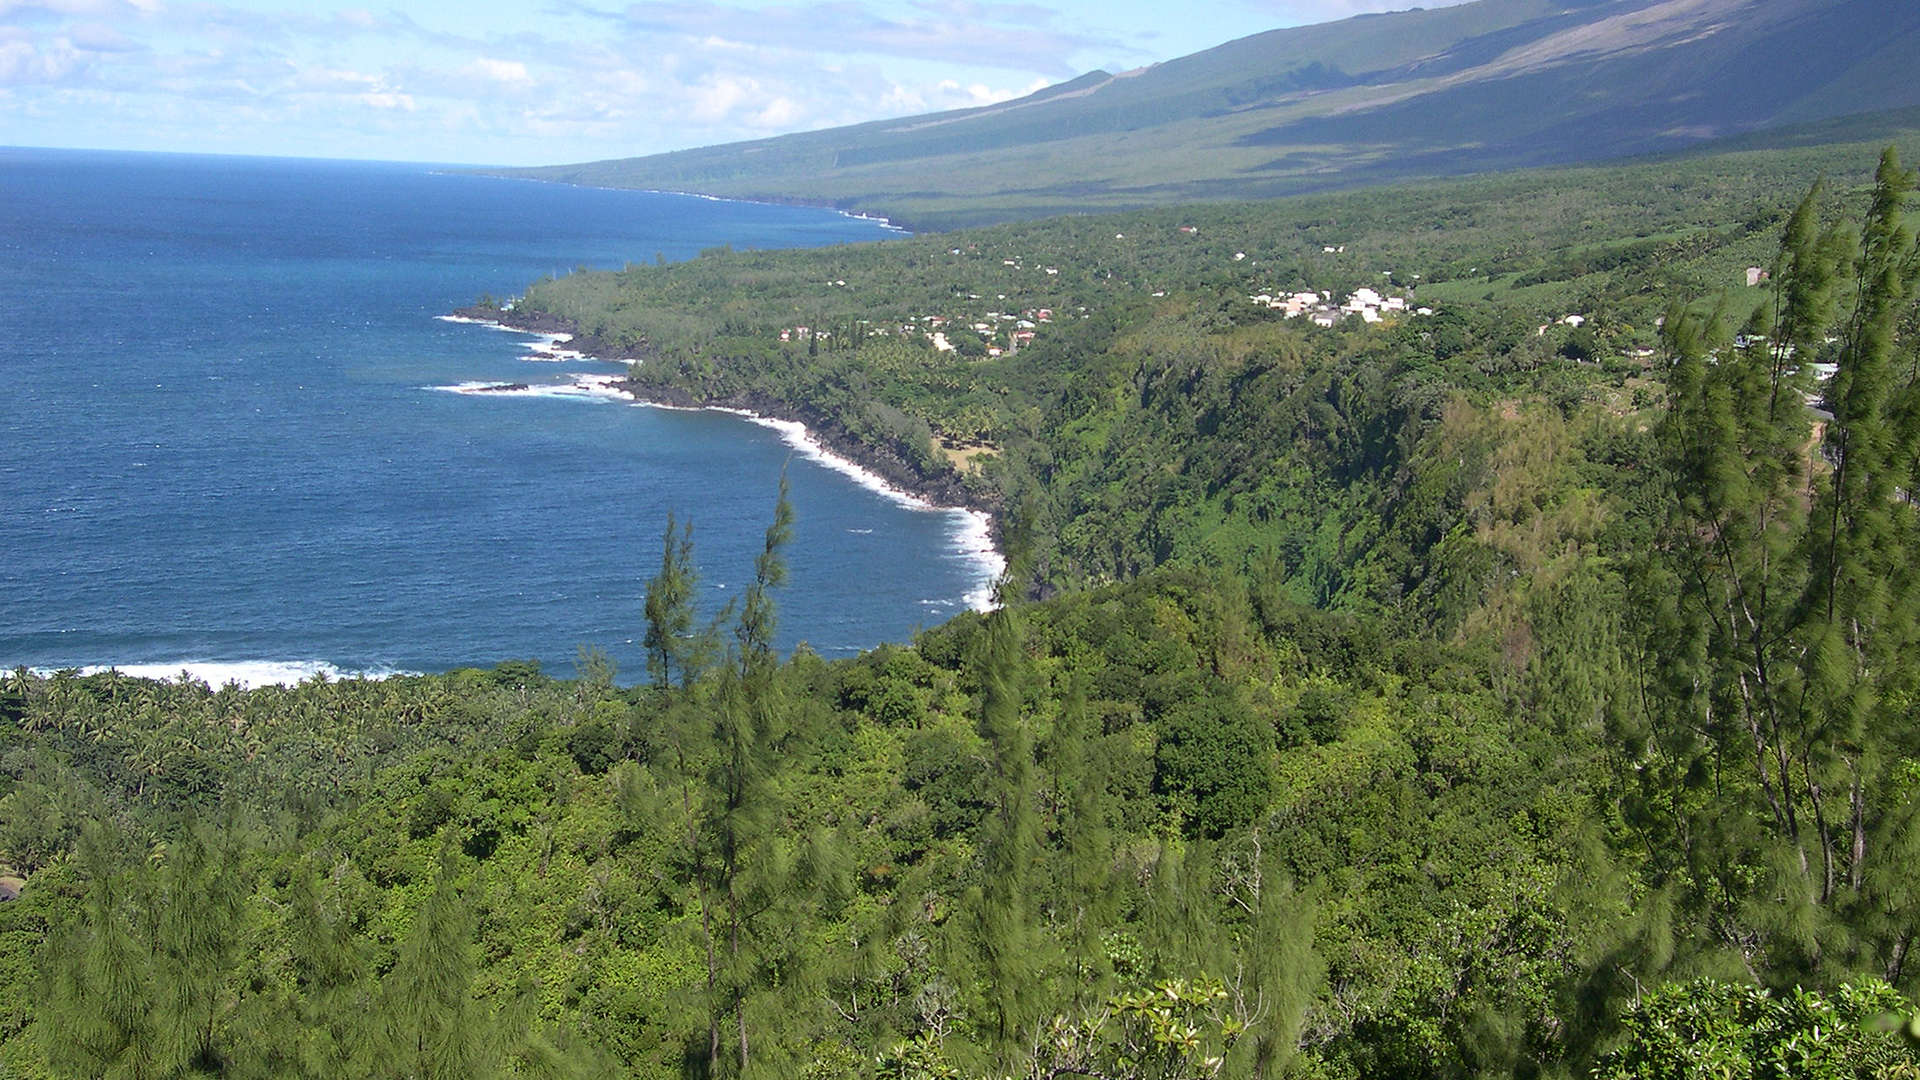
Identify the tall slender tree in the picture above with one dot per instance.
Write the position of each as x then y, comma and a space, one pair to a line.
1862, 614
1082, 899
1796, 551
736, 834
669, 610
1009, 943
198, 918
97, 1019
434, 1029
324, 1027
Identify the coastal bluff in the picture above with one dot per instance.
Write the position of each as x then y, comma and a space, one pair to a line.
940, 485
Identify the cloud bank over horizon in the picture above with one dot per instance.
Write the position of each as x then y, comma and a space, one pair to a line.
492, 83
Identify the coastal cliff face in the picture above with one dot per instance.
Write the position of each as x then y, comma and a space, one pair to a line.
942, 488
939, 486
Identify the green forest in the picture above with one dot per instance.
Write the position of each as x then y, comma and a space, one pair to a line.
1480, 693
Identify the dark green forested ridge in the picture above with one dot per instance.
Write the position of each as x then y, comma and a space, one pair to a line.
1464, 694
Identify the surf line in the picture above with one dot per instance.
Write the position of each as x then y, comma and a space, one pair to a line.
972, 532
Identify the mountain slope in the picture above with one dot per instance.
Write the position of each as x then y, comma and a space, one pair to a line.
1487, 85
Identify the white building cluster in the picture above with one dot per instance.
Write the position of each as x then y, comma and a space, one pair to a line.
1323, 310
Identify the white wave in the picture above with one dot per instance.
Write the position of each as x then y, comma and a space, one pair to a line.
581, 388
704, 197
971, 531
546, 346
542, 340
973, 540
246, 674
490, 324
602, 386
796, 435
875, 219
554, 355
548, 350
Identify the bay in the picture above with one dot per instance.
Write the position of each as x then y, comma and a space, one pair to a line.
230, 446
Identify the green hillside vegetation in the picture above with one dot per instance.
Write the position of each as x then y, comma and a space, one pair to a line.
1452, 695
1119, 375
1470, 88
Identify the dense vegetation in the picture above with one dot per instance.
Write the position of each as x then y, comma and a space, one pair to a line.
1448, 697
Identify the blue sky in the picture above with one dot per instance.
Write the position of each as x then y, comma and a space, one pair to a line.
514, 83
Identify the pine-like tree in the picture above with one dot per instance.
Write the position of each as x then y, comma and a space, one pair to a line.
1861, 621
1008, 941
737, 857
1795, 559
1281, 974
433, 1028
319, 1023
669, 610
198, 913
96, 1020
1083, 898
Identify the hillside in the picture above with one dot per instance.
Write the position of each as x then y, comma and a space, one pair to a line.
1489, 85
1443, 695
1496, 257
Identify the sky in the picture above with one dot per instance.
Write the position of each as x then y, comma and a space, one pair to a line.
511, 82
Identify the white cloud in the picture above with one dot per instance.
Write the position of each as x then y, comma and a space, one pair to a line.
661, 74
1019, 36
779, 114
715, 100
26, 63
19, 10
504, 71
957, 96
385, 99
99, 37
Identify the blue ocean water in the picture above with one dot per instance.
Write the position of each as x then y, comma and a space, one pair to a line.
228, 445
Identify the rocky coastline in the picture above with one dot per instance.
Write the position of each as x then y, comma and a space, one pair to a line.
541, 322
943, 488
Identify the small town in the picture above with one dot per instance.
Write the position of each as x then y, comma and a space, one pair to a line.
1320, 308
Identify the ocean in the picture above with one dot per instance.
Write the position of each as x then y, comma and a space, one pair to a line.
235, 442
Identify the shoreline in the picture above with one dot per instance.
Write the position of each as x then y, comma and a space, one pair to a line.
880, 469
542, 324
886, 223
974, 539
246, 674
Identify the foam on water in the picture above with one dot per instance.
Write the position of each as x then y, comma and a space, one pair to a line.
796, 435
245, 674
971, 530
547, 350
595, 388
973, 538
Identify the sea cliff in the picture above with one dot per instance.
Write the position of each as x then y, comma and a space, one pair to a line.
939, 486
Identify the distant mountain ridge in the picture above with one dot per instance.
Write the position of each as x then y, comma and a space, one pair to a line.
1493, 84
